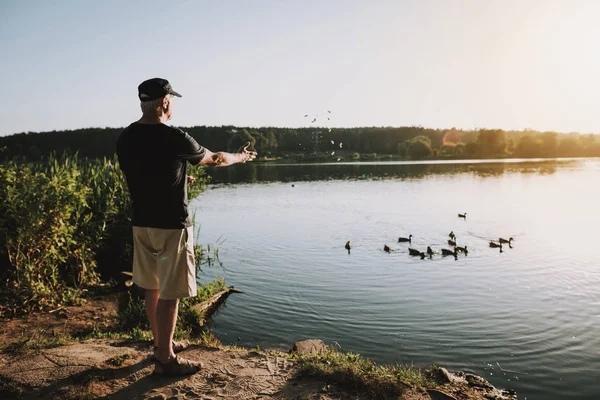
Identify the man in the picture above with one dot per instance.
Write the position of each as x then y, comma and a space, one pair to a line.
154, 157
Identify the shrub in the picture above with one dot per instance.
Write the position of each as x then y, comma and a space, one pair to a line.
64, 223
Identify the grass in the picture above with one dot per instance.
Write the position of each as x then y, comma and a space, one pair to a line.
132, 327
361, 375
117, 361
37, 341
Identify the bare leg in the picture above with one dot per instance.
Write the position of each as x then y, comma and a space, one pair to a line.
151, 298
166, 317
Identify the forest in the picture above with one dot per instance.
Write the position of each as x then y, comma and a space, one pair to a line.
314, 143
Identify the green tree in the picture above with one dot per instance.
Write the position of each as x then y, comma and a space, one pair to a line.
548, 144
491, 142
569, 147
419, 147
528, 147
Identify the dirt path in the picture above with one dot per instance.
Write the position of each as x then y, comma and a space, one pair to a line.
104, 369
117, 369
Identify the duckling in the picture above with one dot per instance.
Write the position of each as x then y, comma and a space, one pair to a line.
463, 249
451, 242
387, 248
452, 235
415, 252
348, 246
404, 239
462, 215
495, 245
509, 241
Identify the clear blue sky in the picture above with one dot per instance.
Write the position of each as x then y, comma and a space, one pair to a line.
507, 64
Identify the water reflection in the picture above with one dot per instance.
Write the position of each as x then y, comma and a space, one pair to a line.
272, 172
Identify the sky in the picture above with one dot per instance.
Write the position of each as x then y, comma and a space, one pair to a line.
507, 64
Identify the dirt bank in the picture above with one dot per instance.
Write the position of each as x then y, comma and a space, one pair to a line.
122, 369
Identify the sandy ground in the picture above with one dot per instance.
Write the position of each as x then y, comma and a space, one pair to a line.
110, 369
88, 370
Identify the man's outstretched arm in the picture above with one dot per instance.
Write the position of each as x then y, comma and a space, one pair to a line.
223, 159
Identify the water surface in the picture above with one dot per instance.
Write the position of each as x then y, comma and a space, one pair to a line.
533, 309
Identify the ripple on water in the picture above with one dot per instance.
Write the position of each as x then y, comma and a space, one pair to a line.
532, 309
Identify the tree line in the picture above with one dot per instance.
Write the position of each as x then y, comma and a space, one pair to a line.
300, 143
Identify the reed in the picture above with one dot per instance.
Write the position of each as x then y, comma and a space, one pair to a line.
64, 227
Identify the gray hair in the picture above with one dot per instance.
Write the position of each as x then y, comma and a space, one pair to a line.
152, 107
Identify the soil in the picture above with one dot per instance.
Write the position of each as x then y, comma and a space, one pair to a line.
110, 369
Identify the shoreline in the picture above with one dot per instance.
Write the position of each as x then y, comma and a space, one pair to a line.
70, 354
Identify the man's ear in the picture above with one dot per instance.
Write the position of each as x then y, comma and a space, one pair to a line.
165, 102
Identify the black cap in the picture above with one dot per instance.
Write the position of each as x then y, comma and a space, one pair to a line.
155, 88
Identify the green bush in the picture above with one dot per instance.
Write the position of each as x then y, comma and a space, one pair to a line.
64, 224
132, 311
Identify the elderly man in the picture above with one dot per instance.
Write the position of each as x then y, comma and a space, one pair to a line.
154, 157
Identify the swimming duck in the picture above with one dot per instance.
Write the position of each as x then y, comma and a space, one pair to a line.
429, 251
451, 242
509, 241
415, 252
495, 245
462, 215
348, 246
404, 239
387, 248
446, 252
462, 249
452, 235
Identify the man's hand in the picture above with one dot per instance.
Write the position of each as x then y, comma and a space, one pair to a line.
245, 154
190, 179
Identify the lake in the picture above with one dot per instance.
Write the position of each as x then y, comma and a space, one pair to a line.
533, 309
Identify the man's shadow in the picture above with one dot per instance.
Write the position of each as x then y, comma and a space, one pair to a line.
74, 384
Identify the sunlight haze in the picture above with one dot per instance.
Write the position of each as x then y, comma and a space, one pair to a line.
448, 63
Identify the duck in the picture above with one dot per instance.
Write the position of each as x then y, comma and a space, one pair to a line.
452, 235
462, 249
348, 246
387, 248
509, 241
462, 215
446, 252
404, 239
429, 251
451, 242
415, 252
495, 245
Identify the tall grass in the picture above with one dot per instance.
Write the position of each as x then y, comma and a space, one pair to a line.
64, 225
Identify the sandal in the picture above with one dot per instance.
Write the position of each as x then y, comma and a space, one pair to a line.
177, 367
177, 347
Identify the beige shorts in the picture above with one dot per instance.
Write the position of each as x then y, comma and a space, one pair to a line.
164, 259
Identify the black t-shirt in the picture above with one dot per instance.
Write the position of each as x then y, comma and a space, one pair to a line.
153, 158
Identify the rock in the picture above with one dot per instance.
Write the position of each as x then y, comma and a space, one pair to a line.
440, 375
310, 346
474, 380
